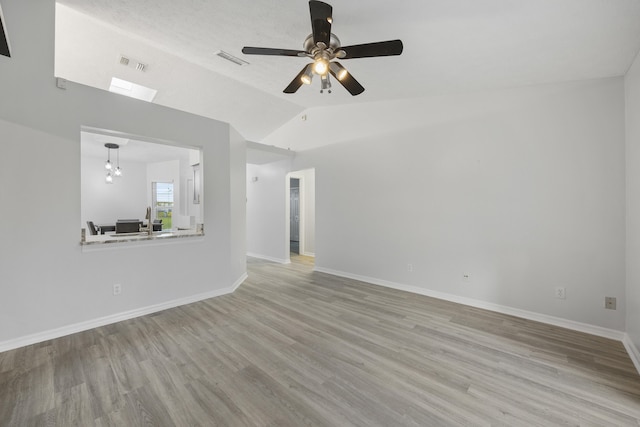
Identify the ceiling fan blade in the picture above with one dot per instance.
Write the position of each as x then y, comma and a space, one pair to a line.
271, 51
4, 44
321, 21
297, 81
345, 78
368, 50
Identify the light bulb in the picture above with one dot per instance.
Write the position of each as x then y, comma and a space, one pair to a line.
107, 165
325, 84
321, 67
307, 76
118, 171
109, 179
338, 71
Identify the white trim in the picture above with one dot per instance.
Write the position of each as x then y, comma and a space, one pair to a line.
309, 254
633, 351
530, 315
269, 258
113, 318
237, 283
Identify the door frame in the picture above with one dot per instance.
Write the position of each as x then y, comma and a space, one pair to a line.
292, 219
301, 224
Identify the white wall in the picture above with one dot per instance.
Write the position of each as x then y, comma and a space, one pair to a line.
168, 171
104, 203
48, 282
237, 161
267, 226
523, 190
308, 210
632, 92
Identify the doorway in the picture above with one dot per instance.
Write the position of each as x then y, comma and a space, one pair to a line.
300, 212
294, 215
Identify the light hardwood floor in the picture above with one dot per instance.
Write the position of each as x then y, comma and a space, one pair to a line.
292, 347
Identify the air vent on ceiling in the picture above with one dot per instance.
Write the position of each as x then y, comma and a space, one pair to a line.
229, 57
133, 63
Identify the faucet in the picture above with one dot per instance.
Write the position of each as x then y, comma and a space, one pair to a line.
149, 228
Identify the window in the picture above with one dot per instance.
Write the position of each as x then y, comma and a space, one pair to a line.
162, 203
132, 90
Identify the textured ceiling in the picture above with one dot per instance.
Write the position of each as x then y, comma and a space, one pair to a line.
451, 46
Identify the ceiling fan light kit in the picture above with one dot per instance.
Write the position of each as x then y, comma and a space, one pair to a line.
307, 76
324, 48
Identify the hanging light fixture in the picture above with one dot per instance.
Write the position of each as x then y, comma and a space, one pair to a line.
118, 171
108, 166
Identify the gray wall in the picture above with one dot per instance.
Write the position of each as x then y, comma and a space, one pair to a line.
267, 204
632, 91
268, 210
48, 282
522, 190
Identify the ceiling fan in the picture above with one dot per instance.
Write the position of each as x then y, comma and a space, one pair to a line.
324, 47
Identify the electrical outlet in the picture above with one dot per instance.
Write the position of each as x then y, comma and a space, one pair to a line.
561, 293
410, 267
610, 303
117, 289
466, 277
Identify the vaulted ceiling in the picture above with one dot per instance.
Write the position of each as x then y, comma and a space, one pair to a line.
450, 46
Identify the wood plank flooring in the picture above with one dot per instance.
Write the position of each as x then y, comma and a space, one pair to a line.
292, 347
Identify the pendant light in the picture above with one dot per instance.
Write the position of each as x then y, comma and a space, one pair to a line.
108, 166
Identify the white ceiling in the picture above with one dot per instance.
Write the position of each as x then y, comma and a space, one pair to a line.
450, 46
93, 145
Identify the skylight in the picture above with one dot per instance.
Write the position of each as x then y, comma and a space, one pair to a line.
133, 90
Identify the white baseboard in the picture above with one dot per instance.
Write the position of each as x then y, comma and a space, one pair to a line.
114, 318
311, 254
237, 283
269, 258
530, 315
633, 351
